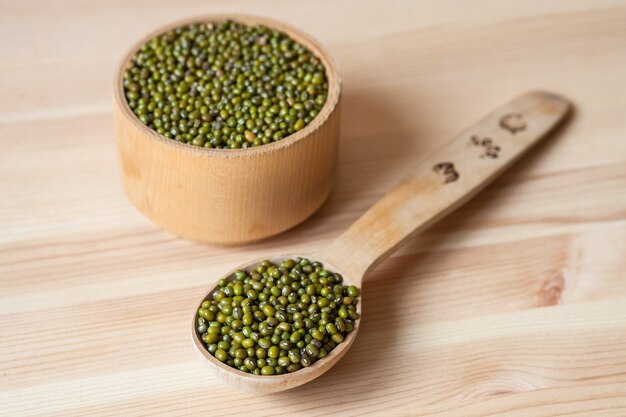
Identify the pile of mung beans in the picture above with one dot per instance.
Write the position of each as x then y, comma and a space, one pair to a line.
277, 318
225, 85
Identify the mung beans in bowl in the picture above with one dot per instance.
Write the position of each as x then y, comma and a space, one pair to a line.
227, 127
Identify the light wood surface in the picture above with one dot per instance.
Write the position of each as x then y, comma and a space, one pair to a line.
225, 196
440, 184
515, 305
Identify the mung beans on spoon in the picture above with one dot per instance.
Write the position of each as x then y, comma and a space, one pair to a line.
440, 184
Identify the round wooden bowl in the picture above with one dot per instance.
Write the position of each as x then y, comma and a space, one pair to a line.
224, 196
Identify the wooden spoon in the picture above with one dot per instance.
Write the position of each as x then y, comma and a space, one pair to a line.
441, 183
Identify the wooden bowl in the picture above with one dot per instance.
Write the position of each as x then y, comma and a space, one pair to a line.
224, 196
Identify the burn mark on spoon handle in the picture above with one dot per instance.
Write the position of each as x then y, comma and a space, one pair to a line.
513, 122
447, 170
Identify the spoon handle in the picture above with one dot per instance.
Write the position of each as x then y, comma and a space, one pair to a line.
445, 180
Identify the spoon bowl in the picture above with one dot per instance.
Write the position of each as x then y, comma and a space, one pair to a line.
272, 383
440, 184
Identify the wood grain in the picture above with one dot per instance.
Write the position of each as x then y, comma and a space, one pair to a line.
514, 305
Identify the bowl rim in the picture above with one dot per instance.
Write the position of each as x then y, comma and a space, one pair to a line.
334, 87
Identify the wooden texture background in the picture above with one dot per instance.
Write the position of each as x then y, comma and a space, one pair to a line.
515, 305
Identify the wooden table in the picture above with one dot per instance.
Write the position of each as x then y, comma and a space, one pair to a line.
515, 305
